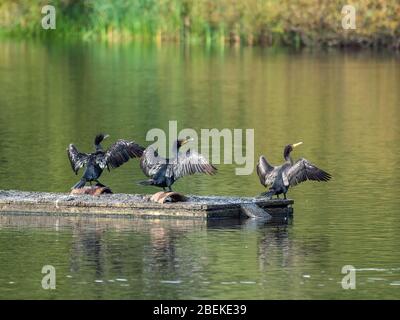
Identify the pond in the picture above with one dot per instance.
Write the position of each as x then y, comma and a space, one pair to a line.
344, 106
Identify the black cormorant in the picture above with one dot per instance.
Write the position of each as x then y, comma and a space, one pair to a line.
289, 174
119, 153
164, 172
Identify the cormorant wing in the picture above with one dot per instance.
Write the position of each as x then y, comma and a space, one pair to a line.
304, 170
120, 152
76, 158
189, 163
266, 173
151, 162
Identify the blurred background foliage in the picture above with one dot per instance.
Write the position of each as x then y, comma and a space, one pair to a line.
251, 22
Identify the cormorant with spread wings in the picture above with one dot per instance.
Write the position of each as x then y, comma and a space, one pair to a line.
119, 153
289, 174
164, 172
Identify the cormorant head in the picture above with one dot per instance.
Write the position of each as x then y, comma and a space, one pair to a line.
289, 148
99, 138
181, 142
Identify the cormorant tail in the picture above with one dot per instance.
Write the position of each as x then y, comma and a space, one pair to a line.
149, 182
268, 194
80, 184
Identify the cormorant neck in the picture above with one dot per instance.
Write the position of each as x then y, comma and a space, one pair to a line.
289, 159
287, 156
175, 149
98, 147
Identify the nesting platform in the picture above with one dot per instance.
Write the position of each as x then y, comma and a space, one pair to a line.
135, 205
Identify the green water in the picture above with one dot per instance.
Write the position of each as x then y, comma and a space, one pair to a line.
343, 106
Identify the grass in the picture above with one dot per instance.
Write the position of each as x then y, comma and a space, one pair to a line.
293, 23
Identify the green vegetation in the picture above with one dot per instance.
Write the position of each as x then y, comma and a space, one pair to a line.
251, 22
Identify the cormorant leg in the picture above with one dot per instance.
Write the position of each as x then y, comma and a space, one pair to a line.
170, 189
163, 189
277, 196
90, 182
284, 196
99, 184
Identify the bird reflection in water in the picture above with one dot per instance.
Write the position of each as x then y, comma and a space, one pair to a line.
274, 247
162, 249
88, 249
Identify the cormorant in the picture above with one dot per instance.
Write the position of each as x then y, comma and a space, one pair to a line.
289, 174
164, 172
119, 153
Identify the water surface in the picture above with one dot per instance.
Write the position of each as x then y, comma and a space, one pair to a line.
343, 106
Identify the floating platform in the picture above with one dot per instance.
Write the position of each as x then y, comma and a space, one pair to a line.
136, 205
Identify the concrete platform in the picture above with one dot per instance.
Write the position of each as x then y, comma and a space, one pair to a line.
136, 205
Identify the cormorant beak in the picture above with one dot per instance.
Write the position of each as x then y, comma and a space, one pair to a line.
297, 144
187, 140
106, 136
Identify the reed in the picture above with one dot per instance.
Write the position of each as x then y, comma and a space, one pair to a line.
293, 23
